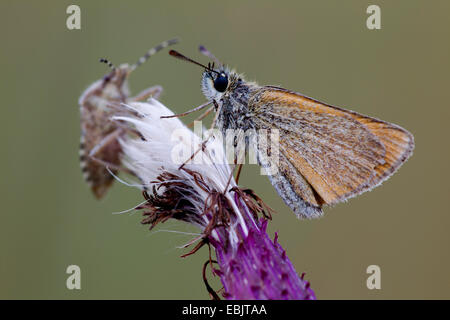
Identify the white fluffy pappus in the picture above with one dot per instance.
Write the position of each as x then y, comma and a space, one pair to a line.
167, 143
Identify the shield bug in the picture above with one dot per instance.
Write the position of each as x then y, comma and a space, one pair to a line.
100, 150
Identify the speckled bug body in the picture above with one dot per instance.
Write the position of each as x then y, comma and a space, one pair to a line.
100, 150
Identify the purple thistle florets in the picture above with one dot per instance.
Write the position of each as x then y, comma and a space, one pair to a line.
260, 269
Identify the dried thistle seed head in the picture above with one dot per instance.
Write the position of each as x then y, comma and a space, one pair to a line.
181, 194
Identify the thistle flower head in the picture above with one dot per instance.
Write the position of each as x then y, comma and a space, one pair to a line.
203, 192
156, 158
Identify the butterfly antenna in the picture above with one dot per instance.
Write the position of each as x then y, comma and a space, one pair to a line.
152, 51
208, 53
180, 56
109, 63
200, 107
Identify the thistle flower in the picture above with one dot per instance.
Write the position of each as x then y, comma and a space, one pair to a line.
232, 220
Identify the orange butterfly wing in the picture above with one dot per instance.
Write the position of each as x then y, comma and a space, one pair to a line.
339, 153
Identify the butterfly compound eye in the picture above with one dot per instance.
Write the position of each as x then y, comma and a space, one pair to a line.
221, 83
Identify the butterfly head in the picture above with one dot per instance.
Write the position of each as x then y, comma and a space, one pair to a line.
218, 82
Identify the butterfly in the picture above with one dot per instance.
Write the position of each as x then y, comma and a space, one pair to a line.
326, 154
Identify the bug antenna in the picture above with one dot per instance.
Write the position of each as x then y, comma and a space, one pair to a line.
109, 63
208, 53
152, 51
178, 55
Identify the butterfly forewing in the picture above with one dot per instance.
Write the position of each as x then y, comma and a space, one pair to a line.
338, 153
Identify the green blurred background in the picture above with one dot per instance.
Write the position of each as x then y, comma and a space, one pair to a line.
49, 218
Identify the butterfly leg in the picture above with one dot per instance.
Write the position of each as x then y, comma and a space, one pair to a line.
153, 92
203, 144
238, 174
201, 148
201, 117
237, 164
239, 160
